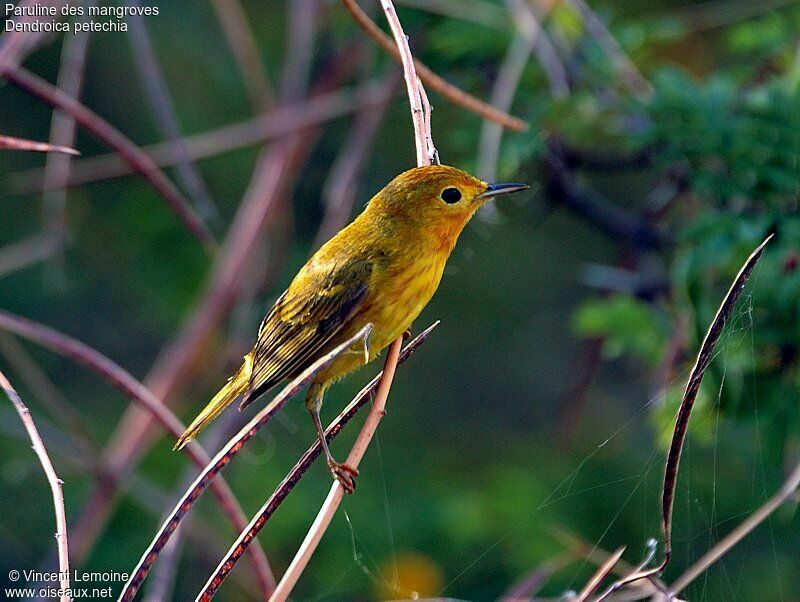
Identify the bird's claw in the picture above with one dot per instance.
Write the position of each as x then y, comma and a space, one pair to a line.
407, 334
345, 474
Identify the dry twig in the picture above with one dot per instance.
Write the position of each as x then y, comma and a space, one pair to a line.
603, 571
446, 89
212, 468
52, 479
702, 362
303, 464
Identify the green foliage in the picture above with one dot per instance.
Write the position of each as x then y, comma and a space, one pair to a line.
626, 325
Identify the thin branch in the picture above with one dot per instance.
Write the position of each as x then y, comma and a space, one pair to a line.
275, 123
285, 487
62, 132
20, 144
112, 137
704, 357
123, 381
603, 571
52, 479
785, 493
245, 50
429, 78
212, 468
155, 85
423, 144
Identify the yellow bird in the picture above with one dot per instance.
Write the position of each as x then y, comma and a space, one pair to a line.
381, 269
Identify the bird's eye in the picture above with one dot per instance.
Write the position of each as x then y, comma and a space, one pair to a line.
451, 195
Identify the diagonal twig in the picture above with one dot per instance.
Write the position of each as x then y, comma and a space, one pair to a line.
446, 89
603, 571
109, 135
212, 468
52, 479
258, 522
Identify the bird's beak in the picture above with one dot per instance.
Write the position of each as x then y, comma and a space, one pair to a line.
494, 190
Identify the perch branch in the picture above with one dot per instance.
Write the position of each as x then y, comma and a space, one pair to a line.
446, 89
212, 468
53, 480
112, 137
285, 487
425, 152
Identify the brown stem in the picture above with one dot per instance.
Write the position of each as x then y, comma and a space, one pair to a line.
429, 78
52, 479
212, 468
303, 464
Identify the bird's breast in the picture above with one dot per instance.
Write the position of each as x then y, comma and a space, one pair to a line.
400, 295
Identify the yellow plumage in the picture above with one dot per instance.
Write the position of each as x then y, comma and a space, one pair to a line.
381, 269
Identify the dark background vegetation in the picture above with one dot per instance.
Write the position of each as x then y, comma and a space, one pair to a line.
535, 419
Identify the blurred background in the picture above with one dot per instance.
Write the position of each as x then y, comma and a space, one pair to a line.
528, 435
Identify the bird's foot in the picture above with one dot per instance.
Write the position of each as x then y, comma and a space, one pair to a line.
345, 474
407, 334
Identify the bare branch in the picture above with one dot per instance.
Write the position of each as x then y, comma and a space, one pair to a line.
446, 89
20, 144
52, 479
303, 464
109, 135
212, 468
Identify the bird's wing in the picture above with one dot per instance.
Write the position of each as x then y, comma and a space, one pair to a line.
318, 304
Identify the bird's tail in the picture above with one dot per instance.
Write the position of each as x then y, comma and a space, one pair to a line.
237, 385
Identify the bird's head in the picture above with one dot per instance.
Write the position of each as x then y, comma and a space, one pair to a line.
437, 198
